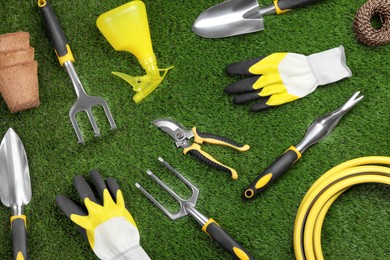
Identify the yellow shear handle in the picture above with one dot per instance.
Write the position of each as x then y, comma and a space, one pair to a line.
200, 138
196, 151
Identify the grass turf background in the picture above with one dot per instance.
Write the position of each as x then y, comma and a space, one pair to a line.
358, 224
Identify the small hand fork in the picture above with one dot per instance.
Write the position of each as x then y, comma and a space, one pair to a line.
85, 103
209, 226
65, 57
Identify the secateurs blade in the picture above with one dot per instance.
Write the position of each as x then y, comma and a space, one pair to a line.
182, 136
187, 207
65, 57
318, 130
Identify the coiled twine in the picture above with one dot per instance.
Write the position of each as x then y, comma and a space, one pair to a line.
363, 27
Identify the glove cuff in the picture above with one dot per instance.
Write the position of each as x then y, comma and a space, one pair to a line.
329, 66
134, 253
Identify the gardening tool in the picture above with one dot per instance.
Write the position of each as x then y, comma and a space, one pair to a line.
187, 207
84, 102
318, 130
181, 137
234, 17
126, 28
15, 188
107, 225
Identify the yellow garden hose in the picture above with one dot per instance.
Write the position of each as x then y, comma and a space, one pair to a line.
319, 198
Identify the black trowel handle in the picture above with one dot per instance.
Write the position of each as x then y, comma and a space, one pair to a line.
55, 32
19, 237
283, 6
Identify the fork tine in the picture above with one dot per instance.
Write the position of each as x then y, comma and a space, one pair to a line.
93, 122
76, 127
195, 190
159, 205
352, 101
166, 187
108, 114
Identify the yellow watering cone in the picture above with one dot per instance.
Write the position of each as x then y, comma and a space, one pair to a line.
126, 28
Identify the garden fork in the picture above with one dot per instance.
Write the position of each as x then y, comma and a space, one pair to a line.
187, 207
84, 102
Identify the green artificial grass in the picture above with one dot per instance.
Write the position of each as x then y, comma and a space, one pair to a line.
357, 225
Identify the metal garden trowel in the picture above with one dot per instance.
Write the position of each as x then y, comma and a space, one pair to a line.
234, 17
15, 188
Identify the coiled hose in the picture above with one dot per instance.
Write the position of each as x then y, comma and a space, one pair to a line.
362, 23
319, 198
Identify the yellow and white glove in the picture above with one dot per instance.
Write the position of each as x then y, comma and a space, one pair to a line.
108, 227
285, 77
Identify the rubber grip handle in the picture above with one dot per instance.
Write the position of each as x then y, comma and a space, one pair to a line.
226, 241
54, 29
273, 172
196, 151
19, 237
219, 140
286, 5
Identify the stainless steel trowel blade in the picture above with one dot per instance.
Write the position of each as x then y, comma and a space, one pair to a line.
229, 18
15, 187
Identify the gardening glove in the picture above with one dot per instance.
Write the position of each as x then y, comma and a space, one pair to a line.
285, 77
109, 228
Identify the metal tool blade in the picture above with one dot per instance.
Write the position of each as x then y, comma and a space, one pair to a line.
324, 125
15, 186
175, 131
232, 17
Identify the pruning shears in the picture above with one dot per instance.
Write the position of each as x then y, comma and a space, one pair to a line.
182, 137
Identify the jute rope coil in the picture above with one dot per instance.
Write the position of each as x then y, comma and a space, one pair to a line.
362, 23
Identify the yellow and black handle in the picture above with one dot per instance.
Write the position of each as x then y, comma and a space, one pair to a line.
55, 33
283, 6
226, 241
274, 171
196, 151
218, 140
19, 237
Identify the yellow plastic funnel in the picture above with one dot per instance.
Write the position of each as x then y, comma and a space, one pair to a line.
126, 28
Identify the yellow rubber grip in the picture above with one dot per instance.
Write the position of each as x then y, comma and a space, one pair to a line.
278, 10
67, 57
23, 217
263, 181
200, 140
20, 256
208, 159
204, 228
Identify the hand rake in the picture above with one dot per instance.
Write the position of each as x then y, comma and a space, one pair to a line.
187, 207
65, 57
85, 103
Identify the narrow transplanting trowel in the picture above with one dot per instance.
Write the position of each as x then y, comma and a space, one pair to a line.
15, 188
234, 17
